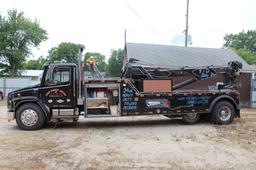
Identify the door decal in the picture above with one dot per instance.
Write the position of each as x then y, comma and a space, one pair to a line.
55, 93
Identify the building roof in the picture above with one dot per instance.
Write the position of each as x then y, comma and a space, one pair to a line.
177, 56
31, 73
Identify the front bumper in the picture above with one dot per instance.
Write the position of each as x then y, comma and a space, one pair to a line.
10, 109
10, 116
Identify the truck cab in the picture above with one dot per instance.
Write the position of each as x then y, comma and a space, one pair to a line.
59, 86
58, 89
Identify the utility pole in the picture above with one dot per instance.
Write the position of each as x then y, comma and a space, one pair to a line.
125, 37
125, 50
186, 30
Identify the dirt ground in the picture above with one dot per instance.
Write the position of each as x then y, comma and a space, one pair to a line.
130, 143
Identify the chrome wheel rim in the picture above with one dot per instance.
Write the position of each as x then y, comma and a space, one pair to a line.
225, 113
29, 117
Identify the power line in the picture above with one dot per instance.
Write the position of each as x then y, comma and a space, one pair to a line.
144, 21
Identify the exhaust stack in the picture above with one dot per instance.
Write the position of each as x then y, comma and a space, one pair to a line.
81, 75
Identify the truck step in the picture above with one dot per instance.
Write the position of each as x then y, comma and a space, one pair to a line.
100, 115
65, 117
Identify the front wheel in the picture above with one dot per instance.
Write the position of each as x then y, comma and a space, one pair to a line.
30, 117
223, 113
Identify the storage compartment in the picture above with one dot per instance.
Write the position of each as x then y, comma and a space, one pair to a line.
102, 99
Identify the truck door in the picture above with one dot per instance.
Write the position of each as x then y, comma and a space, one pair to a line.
58, 89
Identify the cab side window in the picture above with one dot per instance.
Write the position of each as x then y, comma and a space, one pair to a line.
58, 76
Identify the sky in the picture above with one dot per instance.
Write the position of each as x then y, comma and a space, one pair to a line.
100, 24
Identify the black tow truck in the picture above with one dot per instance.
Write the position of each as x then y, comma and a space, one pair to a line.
142, 90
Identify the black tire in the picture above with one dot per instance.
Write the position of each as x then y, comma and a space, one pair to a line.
191, 118
223, 113
30, 117
1, 97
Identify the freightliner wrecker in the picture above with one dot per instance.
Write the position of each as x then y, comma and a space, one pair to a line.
64, 94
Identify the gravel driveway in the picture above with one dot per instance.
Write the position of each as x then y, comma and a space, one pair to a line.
129, 143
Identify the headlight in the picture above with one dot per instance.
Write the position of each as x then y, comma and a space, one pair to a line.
9, 100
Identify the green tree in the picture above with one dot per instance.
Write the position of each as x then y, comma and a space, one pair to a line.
244, 40
100, 60
65, 51
18, 35
115, 62
35, 64
247, 55
244, 44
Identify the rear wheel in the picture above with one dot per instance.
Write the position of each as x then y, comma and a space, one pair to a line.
191, 118
30, 117
223, 113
